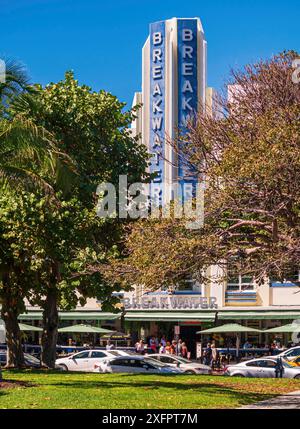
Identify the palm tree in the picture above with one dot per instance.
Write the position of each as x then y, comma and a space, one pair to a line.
16, 81
29, 159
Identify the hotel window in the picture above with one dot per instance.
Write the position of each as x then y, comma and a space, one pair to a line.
188, 285
292, 277
240, 283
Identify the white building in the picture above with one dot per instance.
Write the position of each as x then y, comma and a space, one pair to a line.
174, 86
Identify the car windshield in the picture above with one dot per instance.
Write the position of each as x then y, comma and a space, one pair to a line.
31, 359
155, 362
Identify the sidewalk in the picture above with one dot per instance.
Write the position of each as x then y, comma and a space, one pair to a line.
287, 401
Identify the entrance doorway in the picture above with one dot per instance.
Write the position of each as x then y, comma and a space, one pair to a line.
189, 336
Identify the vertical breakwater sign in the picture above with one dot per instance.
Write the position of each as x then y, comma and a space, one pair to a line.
187, 46
157, 110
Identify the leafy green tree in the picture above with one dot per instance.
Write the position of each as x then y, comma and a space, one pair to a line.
28, 158
93, 131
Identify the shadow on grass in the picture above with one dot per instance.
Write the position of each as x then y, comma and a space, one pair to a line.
133, 382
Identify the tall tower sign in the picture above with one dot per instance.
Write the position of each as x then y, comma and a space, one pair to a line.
173, 89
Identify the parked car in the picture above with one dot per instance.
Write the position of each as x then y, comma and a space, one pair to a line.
263, 367
85, 360
187, 366
30, 361
135, 365
295, 362
290, 354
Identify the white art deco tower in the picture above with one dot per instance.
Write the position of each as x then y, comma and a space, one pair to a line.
173, 88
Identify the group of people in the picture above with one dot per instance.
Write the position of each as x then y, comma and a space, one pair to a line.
175, 347
275, 345
211, 356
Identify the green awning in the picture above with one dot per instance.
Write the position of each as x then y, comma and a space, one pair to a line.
292, 327
73, 315
259, 315
84, 329
169, 316
24, 327
230, 327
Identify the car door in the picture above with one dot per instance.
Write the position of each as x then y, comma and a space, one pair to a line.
129, 365
95, 357
79, 361
266, 368
119, 365
252, 369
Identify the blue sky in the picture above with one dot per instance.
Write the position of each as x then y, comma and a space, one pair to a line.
101, 40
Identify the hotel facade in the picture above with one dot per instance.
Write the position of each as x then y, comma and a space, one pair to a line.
174, 86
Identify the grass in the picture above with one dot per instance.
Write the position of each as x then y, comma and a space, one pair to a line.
83, 390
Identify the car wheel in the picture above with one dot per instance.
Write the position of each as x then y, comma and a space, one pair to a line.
297, 377
63, 367
190, 372
238, 375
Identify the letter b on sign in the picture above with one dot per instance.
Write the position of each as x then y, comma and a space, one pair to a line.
187, 35
157, 38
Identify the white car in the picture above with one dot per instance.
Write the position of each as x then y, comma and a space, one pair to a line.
185, 365
85, 360
135, 365
290, 353
261, 368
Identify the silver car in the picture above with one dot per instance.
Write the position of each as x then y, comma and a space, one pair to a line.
261, 368
86, 359
135, 365
187, 366
290, 354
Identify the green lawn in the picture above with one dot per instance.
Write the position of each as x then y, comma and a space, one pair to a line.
80, 390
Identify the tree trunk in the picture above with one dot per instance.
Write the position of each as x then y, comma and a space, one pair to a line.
15, 355
50, 326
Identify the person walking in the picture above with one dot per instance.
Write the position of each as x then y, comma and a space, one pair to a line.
168, 348
162, 348
184, 351
208, 355
163, 341
173, 347
153, 345
279, 368
140, 347
109, 345
179, 348
214, 356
